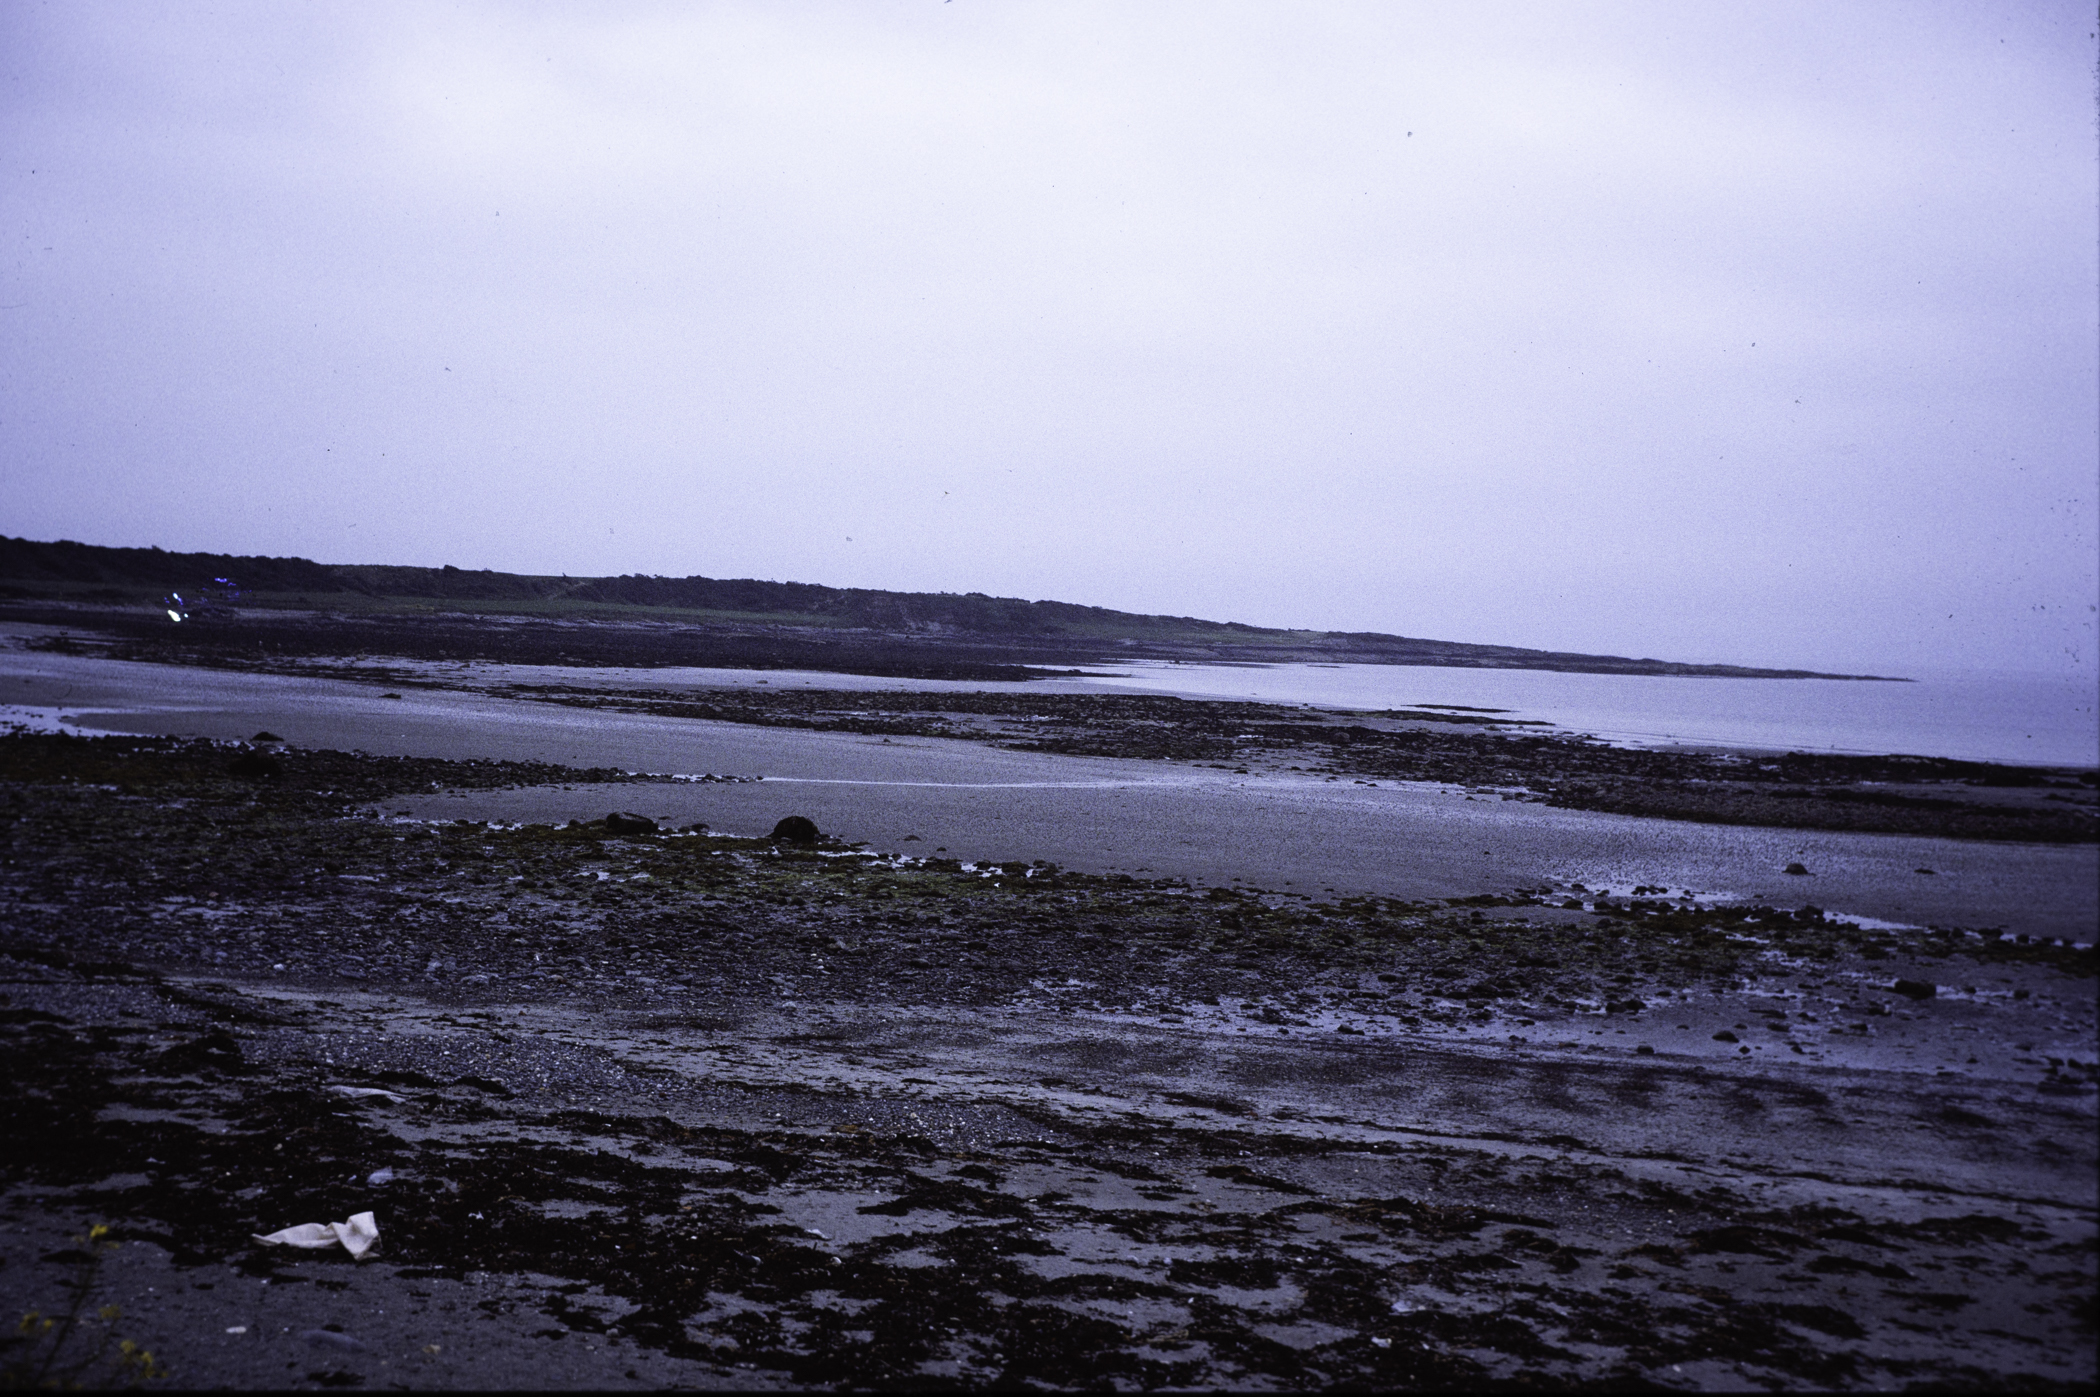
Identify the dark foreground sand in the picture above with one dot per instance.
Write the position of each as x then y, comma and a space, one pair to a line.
683, 1109
902, 1192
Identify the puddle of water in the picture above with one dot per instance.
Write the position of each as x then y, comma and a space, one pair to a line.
964, 785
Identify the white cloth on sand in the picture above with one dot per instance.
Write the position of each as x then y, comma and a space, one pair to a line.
359, 1093
356, 1236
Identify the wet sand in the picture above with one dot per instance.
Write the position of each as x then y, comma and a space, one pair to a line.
823, 1190
1407, 841
980, 802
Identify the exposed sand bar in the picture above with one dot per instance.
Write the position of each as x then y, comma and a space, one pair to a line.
1091, 814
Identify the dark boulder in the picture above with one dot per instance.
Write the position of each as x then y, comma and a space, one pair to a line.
1798, 870
1915, 989
625, 822
796, 829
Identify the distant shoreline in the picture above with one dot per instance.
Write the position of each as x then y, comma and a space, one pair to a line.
448, 612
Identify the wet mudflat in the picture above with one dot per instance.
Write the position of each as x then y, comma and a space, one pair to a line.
1528, 760
659, 1106
1208, 821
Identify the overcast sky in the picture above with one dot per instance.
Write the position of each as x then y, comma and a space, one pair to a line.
1755, 332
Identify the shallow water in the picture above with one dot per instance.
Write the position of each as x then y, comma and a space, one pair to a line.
2040, 720
2033, 719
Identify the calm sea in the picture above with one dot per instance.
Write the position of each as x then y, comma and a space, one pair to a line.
2035, 719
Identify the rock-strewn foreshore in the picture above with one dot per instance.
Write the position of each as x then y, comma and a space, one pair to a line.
671, 1107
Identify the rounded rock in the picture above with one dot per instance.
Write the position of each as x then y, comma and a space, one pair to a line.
796, 829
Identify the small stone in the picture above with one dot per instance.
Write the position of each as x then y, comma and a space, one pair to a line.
1797, 869
1644, 1050
1724, 1036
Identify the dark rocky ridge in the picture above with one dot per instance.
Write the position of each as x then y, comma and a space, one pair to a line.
742, 623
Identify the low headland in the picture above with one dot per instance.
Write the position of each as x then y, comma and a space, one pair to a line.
291, 606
